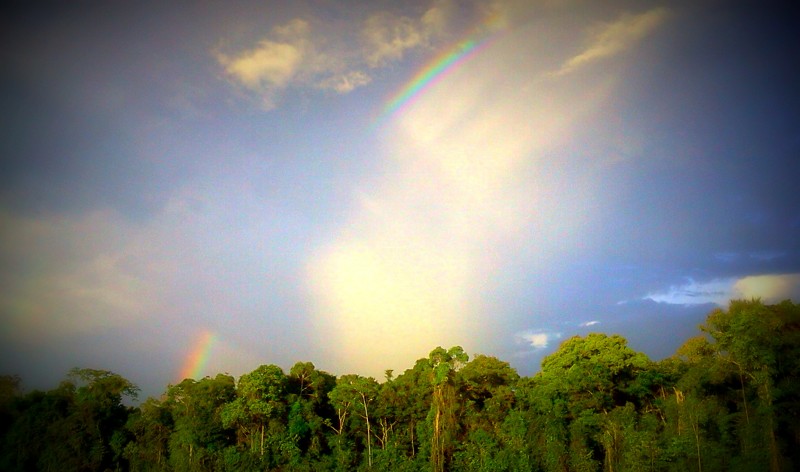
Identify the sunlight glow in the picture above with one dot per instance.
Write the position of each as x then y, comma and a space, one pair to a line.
420, 253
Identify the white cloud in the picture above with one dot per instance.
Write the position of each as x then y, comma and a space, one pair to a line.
347, 82
270, 63
316, 53
273, 63
298, 55
294, 55
387, 37
439, 17
589, 323
610, 39
537, 339
716, 291
771, 288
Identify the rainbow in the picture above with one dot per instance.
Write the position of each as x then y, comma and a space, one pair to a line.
198, 358
431, 74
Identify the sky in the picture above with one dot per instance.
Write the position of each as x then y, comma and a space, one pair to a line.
193, 188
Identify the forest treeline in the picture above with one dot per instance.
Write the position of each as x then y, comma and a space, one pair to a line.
729, 399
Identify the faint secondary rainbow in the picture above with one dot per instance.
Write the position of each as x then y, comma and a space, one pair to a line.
431, 74
198, 358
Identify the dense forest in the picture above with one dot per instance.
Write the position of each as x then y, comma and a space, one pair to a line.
728, 399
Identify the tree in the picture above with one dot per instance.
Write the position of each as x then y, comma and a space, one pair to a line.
199, 435
150, 427
36, 440
99, 415
260, 397
593, 374
729, 399
759, 343
9, 393
486, 386
354, 394
309, 407
77, 426
443, 415
400, 410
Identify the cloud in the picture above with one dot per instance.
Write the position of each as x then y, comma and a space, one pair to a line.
537, 339
97, 282
347, 82
589, 323
717, 291
438, 19
502, 14
273, 63
387, 36
88, 272
270, 64
310, 54
68, 275
771, 288
611, 39
294, 55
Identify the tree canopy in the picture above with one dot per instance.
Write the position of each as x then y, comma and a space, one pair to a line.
728, 399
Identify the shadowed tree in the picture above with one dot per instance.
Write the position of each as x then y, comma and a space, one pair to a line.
199, 435
309, 407
100, 415
759, 344
78, 426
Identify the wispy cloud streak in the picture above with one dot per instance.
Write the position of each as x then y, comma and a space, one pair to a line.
770, 287
611, 39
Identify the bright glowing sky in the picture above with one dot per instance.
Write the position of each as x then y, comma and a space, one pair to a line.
190, 189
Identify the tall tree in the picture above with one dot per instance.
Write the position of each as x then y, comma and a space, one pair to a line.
594, 374
354, 394
753, 339
260, 397
401, 410
444, 405
199, 435
309, 407
150, 427
486, 386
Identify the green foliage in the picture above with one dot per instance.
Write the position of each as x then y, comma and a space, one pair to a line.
69, 428
260, 398
728, 399
199, 436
